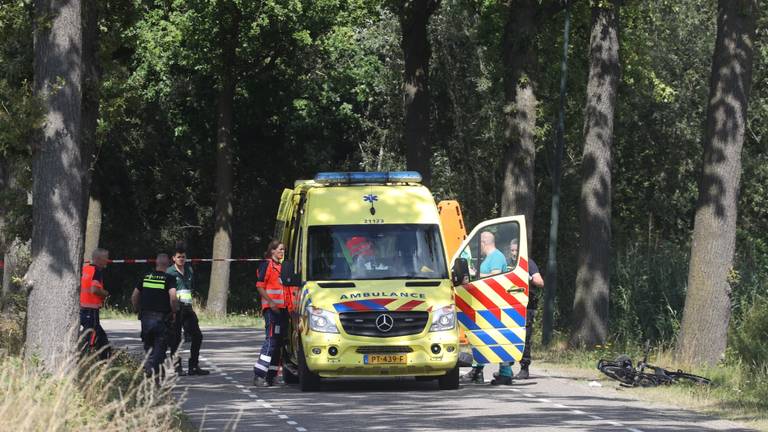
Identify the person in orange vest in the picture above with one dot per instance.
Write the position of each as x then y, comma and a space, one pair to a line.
92, 295
274, 303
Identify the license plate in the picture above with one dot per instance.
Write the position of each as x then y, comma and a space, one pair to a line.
385, 359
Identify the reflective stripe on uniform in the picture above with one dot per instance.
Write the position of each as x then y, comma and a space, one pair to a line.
185, 296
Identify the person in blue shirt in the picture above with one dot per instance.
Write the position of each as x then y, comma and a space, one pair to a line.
493, 263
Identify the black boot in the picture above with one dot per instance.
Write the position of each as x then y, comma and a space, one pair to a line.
523, 374
196, 370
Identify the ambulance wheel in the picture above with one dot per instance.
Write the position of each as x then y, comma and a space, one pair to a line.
449, 381
308, 380
289, 377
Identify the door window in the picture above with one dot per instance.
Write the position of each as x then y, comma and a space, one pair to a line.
493, 250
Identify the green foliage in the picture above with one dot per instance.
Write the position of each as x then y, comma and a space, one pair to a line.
749, 338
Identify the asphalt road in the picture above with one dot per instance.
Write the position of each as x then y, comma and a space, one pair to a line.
226, 400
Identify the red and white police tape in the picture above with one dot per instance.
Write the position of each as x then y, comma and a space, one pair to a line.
152, 260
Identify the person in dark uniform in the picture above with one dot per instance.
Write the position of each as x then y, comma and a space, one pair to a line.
536, 281
274, 303
186, 317
155, 299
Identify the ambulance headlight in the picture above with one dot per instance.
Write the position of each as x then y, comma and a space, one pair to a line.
443, 319
321, 320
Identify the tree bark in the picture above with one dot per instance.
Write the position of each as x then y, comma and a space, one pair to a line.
519, 60
590, 306
218, 292
93, 225
58, 192
90, 109
414, 19
704, 328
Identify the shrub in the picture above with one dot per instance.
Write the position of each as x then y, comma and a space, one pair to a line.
749, 337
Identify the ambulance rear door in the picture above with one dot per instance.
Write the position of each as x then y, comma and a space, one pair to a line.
491, 305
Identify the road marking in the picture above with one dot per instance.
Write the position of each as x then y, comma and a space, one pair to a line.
594, 417
578, 412
613, 423
291, 422
528, 395
516, 390
544, 400
283, 416
301, 429
239, 386
266, 405
634, 430
560, 406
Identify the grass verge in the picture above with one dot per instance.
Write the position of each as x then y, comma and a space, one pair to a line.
90, 396
739, 393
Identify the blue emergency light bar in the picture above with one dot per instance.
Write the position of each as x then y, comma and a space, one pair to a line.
368, 177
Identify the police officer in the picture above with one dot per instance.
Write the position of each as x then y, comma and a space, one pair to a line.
274, 304
155, 299
185, 314
92, 295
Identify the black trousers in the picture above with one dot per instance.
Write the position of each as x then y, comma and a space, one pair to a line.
154, 334
95, 338
526, 360
187, 318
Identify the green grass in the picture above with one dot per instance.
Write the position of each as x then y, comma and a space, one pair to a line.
250, 319
738, 393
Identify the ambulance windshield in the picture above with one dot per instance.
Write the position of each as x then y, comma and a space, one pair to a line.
376, 252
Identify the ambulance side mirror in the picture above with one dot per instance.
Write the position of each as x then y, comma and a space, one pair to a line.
289, 275
460, 271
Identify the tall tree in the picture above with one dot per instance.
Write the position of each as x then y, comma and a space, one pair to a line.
703, 334
58, 193
90, 107
520, 61
229, 24
590, 306
414, 18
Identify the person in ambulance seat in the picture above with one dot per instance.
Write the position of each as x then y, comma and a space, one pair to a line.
155, 299
186, 317
92, 295
275, 299
362, 255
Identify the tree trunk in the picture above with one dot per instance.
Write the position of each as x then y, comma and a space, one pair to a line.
93, 225
414, 19
704, 329
58, 193
90, 109
222, 239
590, 306
519, 59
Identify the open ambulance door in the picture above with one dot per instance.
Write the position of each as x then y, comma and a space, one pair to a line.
491, 304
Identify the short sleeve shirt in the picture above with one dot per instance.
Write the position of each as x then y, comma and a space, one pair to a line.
154, 289
495, 261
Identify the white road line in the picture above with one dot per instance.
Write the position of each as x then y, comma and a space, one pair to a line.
613, 423
528, 395
301, 429
266, 405
560, 406
594, 417
275, 411
283, 416
578, 412
291, 422
544, 400
253, 396
634, 430
516, 390
245, 390
239, 386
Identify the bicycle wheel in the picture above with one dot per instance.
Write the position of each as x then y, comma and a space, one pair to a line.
681, 376
619, 373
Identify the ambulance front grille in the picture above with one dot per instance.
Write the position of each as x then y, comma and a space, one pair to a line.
364, 323
386, 349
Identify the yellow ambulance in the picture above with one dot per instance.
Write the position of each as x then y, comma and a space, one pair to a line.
375, 293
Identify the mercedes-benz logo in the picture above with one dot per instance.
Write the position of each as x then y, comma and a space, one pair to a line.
384, 323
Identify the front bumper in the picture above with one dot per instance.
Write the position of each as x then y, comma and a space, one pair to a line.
351, 351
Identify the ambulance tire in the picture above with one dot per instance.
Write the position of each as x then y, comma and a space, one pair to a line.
449, 381
308, 380
289, 377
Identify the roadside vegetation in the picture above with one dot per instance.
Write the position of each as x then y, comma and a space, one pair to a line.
89, 396
248, 319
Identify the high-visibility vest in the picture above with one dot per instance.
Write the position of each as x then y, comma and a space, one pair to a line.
183, 283
268, 278
87, 298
